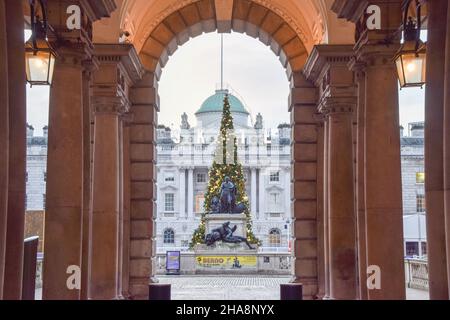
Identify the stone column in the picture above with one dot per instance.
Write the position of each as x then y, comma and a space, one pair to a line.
360, 184
4, 143
62, 244
12, 289
105, 201
190, 194
119, 70
383, 188
447, 143
321, 266
341, 218
89, 66
253, 193
126, 121
437, 152
261, 194
182, 199
64, 202
326, 206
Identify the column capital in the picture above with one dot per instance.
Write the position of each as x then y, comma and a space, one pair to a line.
376, 56
330, 105
110, 105
323, 60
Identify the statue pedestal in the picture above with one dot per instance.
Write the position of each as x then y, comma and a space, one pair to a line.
226, 258
214, 221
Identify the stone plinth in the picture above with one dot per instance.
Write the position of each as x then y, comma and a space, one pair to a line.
224, 258
214, 221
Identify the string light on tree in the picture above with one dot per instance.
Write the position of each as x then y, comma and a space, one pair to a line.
222, 167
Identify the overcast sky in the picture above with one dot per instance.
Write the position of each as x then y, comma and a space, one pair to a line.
252, 71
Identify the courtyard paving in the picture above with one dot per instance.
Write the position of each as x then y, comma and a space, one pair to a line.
239, 288
235, 288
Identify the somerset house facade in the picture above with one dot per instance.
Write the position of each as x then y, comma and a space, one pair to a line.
184, 156
186, 153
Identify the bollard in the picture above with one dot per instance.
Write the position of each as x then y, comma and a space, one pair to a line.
161, 292
29, 268
291, 291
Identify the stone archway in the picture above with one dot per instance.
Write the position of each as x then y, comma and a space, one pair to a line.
273, 30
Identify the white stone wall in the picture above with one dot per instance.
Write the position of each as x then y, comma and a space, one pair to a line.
36, 169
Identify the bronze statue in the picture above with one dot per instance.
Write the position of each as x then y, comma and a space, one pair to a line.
228, 196
225, 233
227, 201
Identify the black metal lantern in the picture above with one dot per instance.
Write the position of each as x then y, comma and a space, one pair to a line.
412, 56
39, 55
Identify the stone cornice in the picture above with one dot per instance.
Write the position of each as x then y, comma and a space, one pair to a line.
323, 56
125, 54
351, 10
97, 9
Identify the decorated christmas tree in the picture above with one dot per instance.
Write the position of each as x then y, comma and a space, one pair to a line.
226, 164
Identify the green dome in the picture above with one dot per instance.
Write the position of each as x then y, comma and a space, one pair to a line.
215, 103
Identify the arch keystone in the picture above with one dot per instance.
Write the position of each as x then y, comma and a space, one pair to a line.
224, 15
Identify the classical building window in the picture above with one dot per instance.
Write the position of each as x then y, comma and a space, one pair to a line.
169, 236
169, 177
420, 202
43, 201
275, 176
274, 238
274, 198
169, 202
420, 177
201, 178
412, 249
45, 176
424, 248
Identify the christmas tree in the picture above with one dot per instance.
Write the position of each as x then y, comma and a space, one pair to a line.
226, 164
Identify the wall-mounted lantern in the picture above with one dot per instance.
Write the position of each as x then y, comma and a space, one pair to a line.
412, 57
39, 55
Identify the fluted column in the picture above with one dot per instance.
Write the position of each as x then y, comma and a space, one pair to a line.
4, 140
190, 194
106, 189
253, 193
183, 193
341, 219
261, 195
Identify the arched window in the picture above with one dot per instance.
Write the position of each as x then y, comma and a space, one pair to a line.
274, 238
169, 236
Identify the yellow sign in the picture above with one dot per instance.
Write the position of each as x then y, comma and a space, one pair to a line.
231, 262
